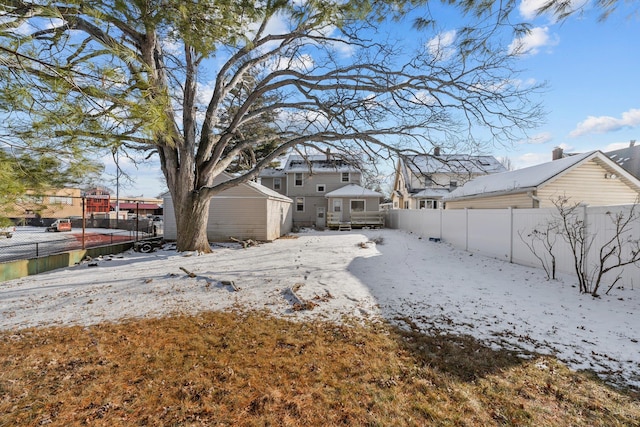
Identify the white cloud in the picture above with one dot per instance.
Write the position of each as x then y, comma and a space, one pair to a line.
540, 138
205, 92
173, 47
606, 124
441, 46
529, 8
424, 97
616, 146
303, 63
532, 42
531, 159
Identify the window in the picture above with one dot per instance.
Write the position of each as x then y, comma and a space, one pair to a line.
453, 184
337, 205
299, 204
320, 188
60, 200
428, 204
345, 177
277, 183
428, 180
297, 179
357, 206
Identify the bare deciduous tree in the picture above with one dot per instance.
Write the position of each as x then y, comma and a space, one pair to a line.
160, 76
619, 250
546, 235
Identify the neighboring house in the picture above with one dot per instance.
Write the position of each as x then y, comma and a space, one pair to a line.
97, 201
310, 179
628, 158
140, 206
52, 204
246, 211
422, 181
590, 178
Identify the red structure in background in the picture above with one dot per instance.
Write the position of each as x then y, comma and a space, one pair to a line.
97, 200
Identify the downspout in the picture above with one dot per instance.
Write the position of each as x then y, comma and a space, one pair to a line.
535, 201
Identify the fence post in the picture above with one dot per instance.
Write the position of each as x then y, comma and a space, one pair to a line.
586, 242
510, 234
466, 229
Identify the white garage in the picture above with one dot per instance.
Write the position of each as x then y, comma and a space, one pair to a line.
247, 211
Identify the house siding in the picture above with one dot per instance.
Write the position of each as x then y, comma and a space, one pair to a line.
371, 204
587, 184
279, 219
519, 201
242, 218
312, 198
268, 182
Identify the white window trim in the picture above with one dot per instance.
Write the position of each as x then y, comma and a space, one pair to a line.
303, 204
324, 188
295, 179
342, 177
334, 205
279, 181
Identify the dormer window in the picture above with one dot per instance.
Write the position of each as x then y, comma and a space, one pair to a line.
453, 184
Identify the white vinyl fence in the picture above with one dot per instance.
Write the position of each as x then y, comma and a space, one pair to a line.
504, 234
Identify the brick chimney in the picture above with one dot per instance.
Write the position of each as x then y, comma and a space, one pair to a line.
328, 154
556, 153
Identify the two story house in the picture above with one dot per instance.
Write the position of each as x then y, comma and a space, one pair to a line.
421, 181
321, 186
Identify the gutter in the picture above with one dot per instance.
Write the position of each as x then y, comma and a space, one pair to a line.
492, 194
535, 200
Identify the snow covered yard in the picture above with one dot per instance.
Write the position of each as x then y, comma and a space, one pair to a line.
364, 274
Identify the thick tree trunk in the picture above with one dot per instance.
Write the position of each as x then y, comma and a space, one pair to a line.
192, 216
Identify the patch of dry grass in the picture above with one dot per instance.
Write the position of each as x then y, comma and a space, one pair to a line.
251, 369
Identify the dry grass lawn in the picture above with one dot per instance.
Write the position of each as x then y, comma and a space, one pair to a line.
235, 369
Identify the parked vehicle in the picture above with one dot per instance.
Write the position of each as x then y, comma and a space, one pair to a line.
7, 231
60, 225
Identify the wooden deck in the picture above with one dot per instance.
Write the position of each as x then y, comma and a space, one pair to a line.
356, 220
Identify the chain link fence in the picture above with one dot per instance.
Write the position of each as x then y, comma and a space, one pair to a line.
32, 240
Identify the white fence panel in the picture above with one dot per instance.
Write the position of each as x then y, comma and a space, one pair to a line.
506, 234
454, 227
525, 222
490, 232
601, 225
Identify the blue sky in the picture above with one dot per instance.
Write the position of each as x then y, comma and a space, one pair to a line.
592, 98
